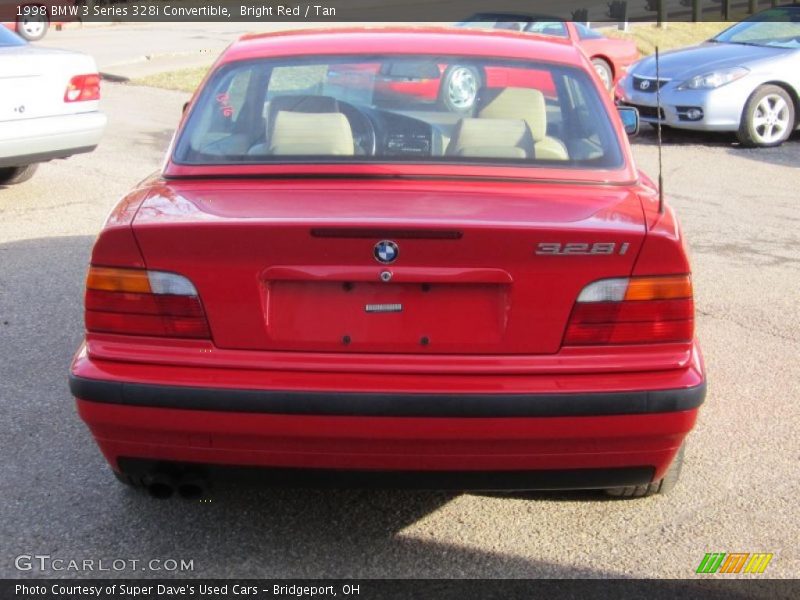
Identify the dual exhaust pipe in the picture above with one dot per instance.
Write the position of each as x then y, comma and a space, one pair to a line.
164, 486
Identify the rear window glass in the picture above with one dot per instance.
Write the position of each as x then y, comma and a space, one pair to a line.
424, 109
8, 38
553, 28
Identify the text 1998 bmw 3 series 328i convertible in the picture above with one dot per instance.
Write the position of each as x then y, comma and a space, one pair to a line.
325, 284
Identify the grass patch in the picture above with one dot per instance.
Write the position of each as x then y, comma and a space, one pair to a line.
675, 35
182, 80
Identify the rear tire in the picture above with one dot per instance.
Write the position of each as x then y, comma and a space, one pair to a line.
768, 118
15, 175
663, 486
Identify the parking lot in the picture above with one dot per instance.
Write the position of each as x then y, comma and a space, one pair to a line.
739, 487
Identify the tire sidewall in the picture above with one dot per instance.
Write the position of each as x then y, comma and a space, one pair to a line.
747, 134
16, 175
599, 62
21, 31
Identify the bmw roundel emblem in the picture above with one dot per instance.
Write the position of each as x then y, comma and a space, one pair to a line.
386, 252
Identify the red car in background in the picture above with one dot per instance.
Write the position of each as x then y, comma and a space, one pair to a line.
321, 284
456, 87
610, 57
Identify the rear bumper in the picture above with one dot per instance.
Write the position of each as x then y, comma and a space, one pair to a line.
535, 439
30, 141
543, 479
345, 404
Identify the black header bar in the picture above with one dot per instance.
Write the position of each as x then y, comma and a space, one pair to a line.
316, 12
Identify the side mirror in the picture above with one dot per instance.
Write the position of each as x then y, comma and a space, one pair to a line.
630, 119
185, 106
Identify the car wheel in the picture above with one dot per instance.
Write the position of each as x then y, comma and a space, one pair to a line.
768, 118
662, 486
460, 87
33, 28
14, 175
603, 69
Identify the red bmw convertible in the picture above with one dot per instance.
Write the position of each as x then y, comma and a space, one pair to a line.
323, 285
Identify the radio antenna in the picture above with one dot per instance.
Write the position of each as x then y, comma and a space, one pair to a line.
659, 114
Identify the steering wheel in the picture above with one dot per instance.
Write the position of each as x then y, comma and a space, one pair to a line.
364, 136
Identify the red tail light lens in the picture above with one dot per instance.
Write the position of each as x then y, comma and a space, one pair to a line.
83, 88
639, 310
138, 302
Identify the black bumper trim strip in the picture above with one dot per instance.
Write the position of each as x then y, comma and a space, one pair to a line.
545, 479
386, 404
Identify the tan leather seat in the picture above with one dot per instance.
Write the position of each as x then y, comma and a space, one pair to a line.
298, 103
491, 138
318, 134
528, 105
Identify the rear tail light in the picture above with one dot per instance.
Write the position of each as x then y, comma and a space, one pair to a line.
636, 310
139, 302
82, 88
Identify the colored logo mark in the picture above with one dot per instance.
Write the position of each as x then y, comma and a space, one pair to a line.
734, 562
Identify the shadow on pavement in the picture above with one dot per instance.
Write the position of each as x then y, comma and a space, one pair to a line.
157, 140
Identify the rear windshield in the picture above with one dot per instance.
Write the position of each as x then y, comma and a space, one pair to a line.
423, 109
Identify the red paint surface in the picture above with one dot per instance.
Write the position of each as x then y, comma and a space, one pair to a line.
495, 312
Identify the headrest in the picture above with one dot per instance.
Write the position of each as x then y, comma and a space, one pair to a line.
304, 103
321, 134
517, 103
299, 103
491, 138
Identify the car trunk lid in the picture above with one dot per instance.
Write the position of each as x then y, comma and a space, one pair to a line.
491, 268
33, 82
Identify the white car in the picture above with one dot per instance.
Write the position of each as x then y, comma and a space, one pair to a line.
49, 106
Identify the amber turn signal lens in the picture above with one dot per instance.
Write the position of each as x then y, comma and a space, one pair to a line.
118, 280
659, 288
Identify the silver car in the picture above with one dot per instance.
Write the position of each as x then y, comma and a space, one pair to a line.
49, 106
746, 79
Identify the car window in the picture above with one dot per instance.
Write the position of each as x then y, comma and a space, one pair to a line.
778, 27
587, 33
552, 28
422, 109
8, 38
510, 25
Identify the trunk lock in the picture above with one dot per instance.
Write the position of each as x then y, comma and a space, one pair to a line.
386, 276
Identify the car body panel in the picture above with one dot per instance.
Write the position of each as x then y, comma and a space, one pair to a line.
620, 54
48, 138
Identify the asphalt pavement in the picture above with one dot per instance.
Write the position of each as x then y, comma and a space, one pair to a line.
131, 50
739, 487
